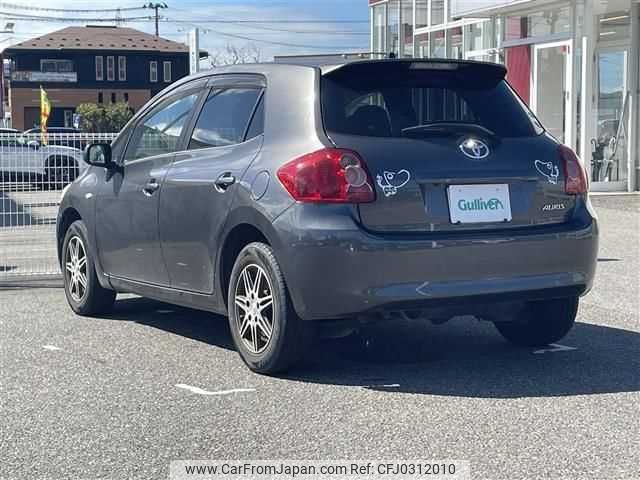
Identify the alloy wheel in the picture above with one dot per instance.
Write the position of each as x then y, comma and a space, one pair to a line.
254, 310
76, 268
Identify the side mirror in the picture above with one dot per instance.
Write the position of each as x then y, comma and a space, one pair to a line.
33, 144
98, 154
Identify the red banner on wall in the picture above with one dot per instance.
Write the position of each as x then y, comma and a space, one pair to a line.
519, 70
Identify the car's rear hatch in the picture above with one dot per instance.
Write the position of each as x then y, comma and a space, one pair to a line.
449, 147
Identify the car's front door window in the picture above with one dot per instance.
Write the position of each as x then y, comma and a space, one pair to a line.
160, 132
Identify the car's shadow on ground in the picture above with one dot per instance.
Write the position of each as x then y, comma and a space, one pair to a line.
463, 358
195, 324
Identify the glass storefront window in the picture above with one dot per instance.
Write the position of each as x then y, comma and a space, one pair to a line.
538, 24
437, 12
612, 115
422, 13
438, 44
498, 28
551, 84
393, 28
479, 36
454, 43
407, 28
422, 45
379, 28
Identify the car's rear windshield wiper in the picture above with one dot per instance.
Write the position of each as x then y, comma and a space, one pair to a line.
445, 129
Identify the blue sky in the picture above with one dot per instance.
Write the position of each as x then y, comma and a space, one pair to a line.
290, 27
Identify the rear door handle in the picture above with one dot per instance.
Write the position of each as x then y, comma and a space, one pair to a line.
150, 187
224, 181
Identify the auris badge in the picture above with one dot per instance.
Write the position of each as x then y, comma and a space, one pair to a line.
550, 207
474, 149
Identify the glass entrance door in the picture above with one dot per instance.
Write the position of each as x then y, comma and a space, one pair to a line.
551, 88
610, 146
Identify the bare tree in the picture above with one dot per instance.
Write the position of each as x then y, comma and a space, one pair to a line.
233, 55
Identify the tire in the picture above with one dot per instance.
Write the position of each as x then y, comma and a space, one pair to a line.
541, 322
61, 171
263, 349
90, 298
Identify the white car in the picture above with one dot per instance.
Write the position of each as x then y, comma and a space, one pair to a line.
56, 165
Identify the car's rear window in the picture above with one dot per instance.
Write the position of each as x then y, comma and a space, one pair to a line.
383, 99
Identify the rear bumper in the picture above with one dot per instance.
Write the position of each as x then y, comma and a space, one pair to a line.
334, 269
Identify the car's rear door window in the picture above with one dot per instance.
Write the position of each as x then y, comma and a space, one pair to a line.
396, 100
256, 127
224, 117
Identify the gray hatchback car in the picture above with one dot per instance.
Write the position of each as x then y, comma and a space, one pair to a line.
291, 197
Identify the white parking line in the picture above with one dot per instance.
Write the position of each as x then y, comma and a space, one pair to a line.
555, 347
51, 347
201, 391
390, 385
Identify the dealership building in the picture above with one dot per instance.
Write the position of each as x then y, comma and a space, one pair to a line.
575, 62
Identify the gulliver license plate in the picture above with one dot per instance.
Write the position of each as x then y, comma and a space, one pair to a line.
479, 203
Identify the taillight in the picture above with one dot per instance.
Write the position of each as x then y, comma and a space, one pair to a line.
332, 175
575, 176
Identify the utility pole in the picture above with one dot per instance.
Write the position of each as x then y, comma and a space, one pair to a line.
119, 18
194, 51
8, 28
156, 7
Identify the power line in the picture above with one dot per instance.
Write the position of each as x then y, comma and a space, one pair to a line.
210, 19
313, 32
259, 24
254, 24
279, 21
15, 6
38, 18
285, 44
285, 30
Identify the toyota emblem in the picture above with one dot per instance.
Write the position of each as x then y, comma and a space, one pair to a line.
474, 149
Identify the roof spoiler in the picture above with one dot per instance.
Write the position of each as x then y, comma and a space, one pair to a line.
494, 70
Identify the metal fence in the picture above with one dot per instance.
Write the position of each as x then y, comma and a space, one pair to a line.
33, 171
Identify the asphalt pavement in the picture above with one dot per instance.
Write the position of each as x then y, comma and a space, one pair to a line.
121, 396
